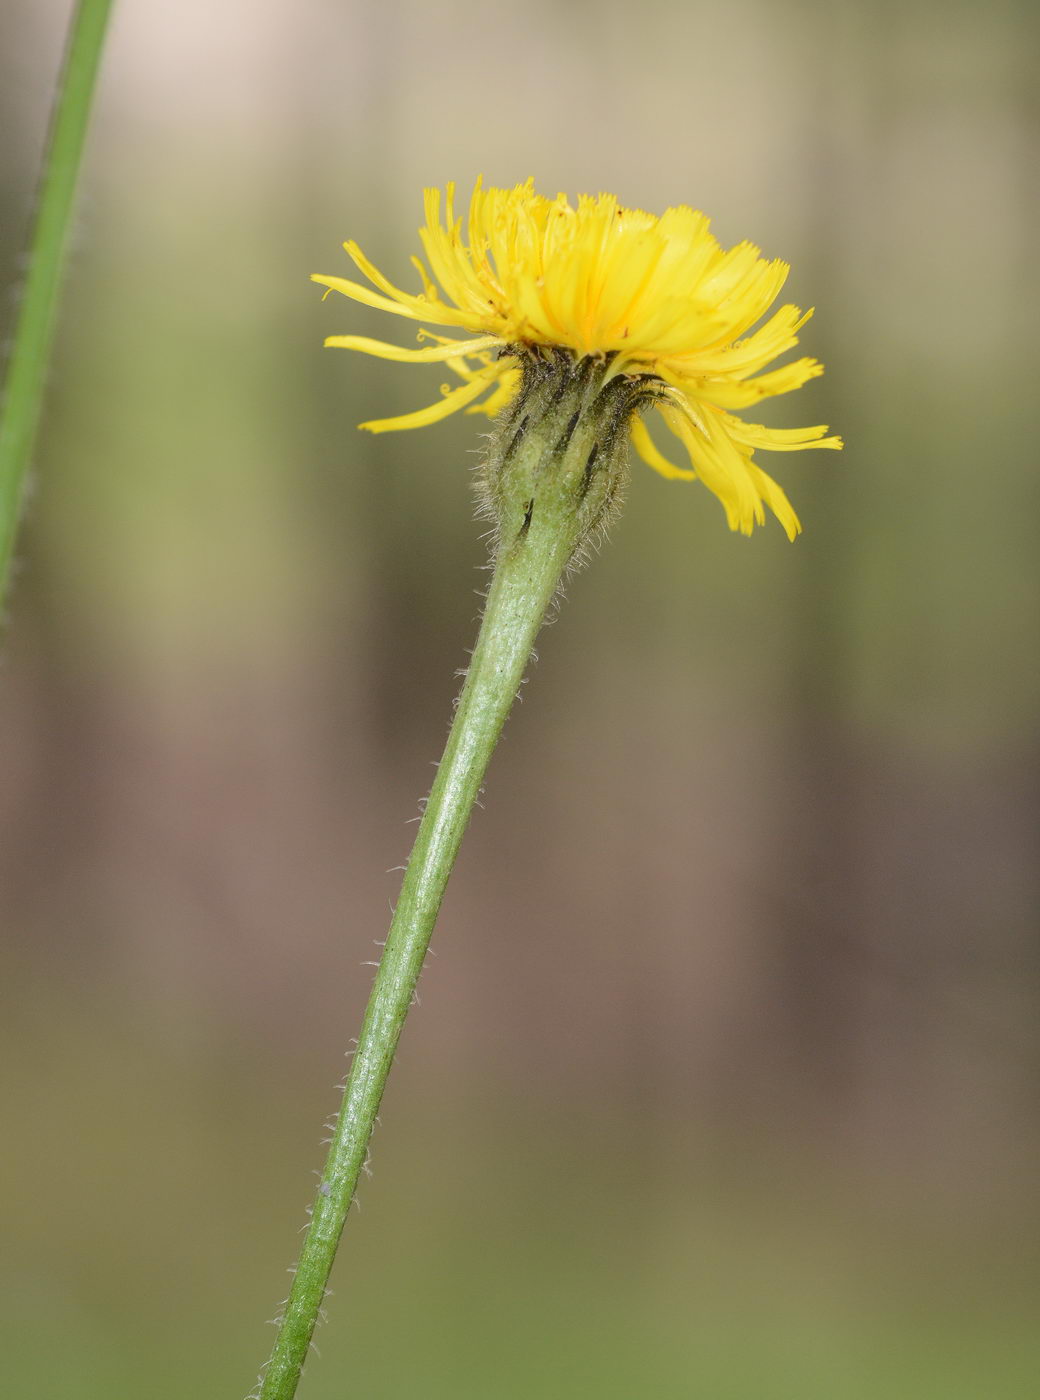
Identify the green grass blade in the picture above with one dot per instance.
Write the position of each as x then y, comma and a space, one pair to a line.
34, 331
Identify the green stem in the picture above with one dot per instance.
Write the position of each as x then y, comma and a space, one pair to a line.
554, 469
522, 589
34, 330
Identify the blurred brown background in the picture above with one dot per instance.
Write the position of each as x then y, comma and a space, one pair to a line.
725, 1078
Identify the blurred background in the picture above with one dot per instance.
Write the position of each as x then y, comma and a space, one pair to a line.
725, 1077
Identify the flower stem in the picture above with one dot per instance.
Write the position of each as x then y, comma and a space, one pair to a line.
522, 589
33, 334
554, 469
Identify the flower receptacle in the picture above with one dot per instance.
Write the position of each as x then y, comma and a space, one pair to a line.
557, 464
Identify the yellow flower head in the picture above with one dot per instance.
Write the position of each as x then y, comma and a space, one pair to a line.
645, 295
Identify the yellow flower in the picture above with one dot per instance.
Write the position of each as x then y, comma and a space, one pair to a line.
645, 295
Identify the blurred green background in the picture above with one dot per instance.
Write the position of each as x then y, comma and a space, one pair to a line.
725, 1078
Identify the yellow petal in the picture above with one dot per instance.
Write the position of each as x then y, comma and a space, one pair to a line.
720, 464
434, 312
777, 501
740, 391
443, 408
503, 394
432, 353
778, 439
647, 449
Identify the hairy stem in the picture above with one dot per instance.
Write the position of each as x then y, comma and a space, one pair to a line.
554, 470
34, 330
523, 586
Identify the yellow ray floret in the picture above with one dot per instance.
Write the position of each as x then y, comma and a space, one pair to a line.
647, 295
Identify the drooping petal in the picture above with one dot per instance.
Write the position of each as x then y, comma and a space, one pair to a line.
720, 465
503, 394
776, 499
453, 400
653, 457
